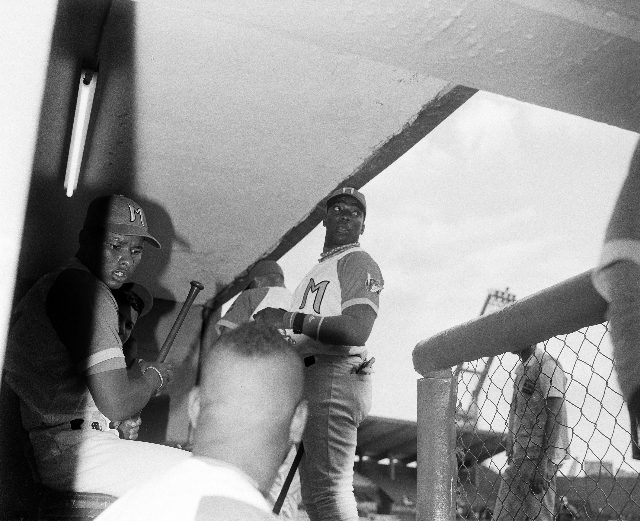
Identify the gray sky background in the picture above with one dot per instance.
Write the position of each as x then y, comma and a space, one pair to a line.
502, 194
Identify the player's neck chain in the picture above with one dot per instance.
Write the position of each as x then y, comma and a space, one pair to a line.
336, 250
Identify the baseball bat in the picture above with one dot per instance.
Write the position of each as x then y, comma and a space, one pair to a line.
287, 482
193, 292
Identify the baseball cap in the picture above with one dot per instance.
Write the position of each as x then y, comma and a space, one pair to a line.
347, 190
263, 267
143, 293
118, 214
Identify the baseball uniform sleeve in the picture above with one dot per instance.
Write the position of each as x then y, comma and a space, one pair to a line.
84, 314
360, 280
552, 379
242, 309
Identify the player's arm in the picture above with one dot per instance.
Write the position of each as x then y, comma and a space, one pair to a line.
85, 320
352, 328
118, 397
552, 426
539, 481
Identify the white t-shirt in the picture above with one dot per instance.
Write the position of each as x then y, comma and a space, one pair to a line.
539, 378
176, 494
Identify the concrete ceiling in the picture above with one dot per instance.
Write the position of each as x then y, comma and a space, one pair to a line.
230, 121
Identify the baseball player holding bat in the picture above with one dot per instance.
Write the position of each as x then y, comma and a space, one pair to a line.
66, 364
332, 314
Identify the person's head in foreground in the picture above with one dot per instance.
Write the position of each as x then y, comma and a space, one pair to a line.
248, 408
112, 239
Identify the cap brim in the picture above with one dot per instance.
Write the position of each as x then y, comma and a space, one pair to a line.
358, 201
126, 229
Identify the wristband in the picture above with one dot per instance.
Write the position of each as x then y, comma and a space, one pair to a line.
298, 321
159, 374
287, 319
312, 325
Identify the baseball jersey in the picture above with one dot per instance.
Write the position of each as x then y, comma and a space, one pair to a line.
537, 379
250, 301
66, 327
337, 282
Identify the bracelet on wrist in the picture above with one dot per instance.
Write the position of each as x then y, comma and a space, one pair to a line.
159, 374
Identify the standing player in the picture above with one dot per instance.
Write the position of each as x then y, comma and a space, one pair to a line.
332, 314
537, 441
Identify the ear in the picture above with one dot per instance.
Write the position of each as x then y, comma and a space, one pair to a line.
298, 422
193, 407
362, 229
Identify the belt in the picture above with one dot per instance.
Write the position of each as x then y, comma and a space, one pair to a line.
362, 367
78, 424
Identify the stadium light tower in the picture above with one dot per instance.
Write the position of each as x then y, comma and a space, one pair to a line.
476, 372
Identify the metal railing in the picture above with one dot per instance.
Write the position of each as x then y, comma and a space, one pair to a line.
461, 449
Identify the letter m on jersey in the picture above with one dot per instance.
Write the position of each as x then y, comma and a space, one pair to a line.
319, 290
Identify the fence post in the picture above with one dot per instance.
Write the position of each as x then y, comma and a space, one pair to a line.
436, 445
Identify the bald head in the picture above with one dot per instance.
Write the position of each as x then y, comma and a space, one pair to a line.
249, 401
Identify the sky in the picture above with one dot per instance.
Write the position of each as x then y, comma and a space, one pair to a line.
501, 195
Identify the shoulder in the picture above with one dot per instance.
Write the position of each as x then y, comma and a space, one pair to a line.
359, 261
81, 287
358, 257
360, 266
218, 508
549, 364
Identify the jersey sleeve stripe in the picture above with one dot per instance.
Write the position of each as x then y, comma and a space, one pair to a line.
107, 365
100, 356
356, 301
612, 252
619, 249
225, 323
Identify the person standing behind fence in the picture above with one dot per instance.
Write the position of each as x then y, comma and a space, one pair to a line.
537, 439
617, 279
333, 312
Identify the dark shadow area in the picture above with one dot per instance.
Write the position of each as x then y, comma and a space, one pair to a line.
19, 487
52, 220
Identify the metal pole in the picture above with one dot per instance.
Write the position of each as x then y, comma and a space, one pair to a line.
436, 446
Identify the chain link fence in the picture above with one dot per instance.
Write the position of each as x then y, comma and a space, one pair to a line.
598, 478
